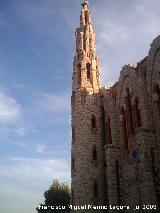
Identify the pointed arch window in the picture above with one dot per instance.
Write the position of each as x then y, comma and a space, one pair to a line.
129, 117
136, 113
157, 93
86, 17
73, 135
94, 153
108, 132
88, 68
124, 127
93, 122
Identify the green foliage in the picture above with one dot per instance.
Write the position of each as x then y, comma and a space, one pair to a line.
57, 195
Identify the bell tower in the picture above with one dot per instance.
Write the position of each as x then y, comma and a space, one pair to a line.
87, 143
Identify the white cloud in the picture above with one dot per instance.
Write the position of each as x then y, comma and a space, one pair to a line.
52, 103
10, 110
32, 169
124, 32
24, 180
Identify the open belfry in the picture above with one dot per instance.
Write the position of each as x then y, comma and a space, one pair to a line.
115, 131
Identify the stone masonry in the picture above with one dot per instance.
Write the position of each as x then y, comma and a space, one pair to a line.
116, 130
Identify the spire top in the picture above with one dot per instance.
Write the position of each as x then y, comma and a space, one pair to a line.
85, 3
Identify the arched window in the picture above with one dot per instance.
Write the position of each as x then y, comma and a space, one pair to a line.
86, 17
129, 117
94, 154
157, 92
95, 189
93, 122
137, 117
108, 132
124, 127
73, 134
118, 183
88, 68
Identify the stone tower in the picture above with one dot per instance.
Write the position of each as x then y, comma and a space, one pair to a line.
87, 141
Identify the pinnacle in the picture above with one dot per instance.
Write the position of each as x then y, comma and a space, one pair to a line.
85, 3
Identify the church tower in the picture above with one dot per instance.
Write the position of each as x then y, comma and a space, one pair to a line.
87, 142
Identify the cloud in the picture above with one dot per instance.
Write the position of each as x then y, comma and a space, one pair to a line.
24, 180
10, 110
124, 32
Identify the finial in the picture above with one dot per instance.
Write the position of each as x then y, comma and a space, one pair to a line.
85, 3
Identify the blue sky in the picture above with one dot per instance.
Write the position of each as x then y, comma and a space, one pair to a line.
37, 45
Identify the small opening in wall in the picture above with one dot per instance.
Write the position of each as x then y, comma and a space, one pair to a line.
73, 134
94, 154
86, 17
93, 122
88, 67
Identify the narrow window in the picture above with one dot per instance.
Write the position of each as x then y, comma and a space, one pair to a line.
108, 132
129, 113
137, 115
124, 126
93, 122
118, 183
157, 90
94, 154
103, 125
88, 67
73, 135
86, 17
95, 189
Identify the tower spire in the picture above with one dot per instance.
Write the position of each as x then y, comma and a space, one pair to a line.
86, 62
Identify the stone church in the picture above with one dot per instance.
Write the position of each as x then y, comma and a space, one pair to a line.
116, 130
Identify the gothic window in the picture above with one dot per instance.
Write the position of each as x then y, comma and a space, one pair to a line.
94, 154
157, 91
95, 189
73, 134
88, 67
124, 127
108, 132
93, 122
129, 117
136, 113
118, 183
86, 17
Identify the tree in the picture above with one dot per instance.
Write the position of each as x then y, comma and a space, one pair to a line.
58, 195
